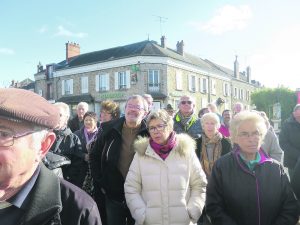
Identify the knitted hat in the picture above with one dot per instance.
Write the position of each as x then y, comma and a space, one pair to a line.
23, 105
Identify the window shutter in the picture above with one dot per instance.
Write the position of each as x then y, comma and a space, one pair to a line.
190, 82
116, 81
196, 84
128, 79
63, 87
224, 89
178, 80
107, 82
71, 86
84, 85
97, 82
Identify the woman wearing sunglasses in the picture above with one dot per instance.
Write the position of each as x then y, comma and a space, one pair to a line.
165, 183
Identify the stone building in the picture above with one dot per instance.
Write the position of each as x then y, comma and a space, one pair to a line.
138, 68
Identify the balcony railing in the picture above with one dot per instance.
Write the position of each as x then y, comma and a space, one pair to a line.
154, 88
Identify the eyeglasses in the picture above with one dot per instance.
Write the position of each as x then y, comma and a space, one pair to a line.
130, 106
246, 135
186, 102
160, 127
7, 138
105, 113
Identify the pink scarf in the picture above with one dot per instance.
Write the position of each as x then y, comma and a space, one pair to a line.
164, 150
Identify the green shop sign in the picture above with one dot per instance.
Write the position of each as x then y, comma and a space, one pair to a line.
111, 95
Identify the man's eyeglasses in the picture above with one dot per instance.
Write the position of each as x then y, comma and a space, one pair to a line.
186, 102
7, 138
246, 135
160, 127
130, 106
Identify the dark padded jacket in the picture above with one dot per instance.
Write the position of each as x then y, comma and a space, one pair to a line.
238, 196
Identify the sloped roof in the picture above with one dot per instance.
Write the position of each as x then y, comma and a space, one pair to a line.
144, 48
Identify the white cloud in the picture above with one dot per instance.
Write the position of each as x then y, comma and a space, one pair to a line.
43, 29
7, 51
66, 33
227, 18
277, 63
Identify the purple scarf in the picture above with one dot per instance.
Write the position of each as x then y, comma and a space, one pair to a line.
89, 137
164, 150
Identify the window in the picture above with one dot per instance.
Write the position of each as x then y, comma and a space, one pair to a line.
241, 94
192, 83
84, 85
153, 78
213, 89
122, 80
226, 90
203, 85
49, 91
49, 71
102, 82
178, 80
67, 87
235, 93
248, 95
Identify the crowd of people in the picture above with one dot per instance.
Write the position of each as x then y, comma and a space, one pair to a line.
167, 166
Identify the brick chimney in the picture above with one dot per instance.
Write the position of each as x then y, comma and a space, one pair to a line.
163, 41
72, 49
180, 47
236, 68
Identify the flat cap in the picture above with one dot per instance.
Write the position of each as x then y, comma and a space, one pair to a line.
24, 105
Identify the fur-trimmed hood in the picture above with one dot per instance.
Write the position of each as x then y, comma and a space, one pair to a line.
185, 144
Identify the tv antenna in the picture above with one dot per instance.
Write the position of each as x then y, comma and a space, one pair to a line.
161, 20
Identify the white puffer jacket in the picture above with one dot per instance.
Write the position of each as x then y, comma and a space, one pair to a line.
167, 192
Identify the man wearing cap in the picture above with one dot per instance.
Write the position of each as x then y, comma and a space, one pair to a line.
30, 194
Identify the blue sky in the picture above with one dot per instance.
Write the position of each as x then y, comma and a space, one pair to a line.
264, 34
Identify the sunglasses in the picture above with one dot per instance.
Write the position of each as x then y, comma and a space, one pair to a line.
186, 102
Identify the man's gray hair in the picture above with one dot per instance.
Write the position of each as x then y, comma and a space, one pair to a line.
65, 107
84, 104
139, 97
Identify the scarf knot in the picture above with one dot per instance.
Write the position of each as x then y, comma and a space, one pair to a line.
164, 150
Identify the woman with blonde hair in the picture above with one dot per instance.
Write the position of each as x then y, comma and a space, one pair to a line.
246, 186
165, 183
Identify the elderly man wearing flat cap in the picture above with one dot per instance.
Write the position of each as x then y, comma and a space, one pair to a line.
30, 194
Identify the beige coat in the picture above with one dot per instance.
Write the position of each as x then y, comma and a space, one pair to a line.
170, 192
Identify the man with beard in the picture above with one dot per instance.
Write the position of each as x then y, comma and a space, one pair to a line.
111, 157
30, 194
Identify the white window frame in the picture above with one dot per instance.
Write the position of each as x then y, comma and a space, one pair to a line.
226, 89
84, 85
153, 78
192, 83
122, 80
213, 88
203, 85
235, 92
102, 82
67, 87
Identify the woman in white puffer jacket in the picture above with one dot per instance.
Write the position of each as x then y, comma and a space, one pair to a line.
165, 183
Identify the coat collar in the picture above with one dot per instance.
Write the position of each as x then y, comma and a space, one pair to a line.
44, 200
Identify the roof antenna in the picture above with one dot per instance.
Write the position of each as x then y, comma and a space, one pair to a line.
161, 20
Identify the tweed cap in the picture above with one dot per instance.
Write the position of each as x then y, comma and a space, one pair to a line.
23, 105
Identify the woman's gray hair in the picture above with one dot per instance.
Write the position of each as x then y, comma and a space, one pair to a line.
245, 116
161, 115
211, 116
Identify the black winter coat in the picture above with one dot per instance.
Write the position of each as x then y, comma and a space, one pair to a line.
69, 145
54, 201
237, 196
289, 140
104, 159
